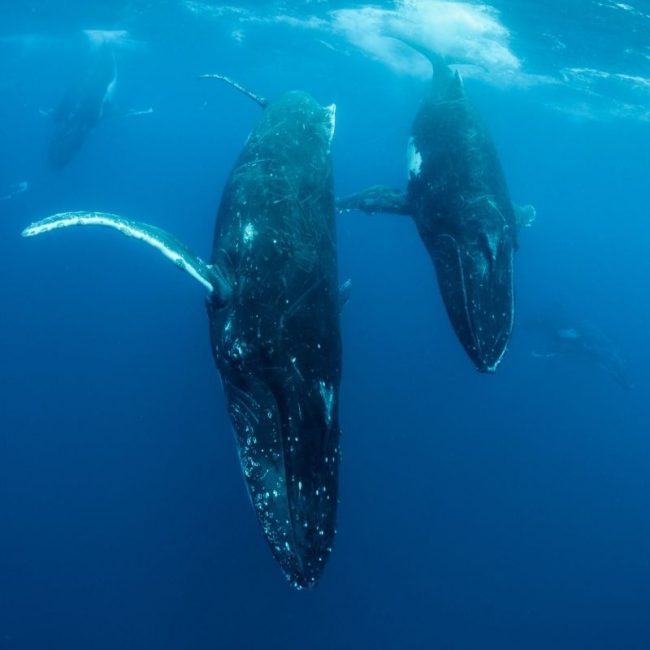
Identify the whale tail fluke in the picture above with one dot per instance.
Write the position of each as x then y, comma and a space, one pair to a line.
242, 89
210, 276
436, 59
439, 62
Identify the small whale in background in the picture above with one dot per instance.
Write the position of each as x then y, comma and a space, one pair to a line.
273, 307
83, 105
14, 190
458, 198
557, 335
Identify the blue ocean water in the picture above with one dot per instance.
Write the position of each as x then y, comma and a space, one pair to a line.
476, 512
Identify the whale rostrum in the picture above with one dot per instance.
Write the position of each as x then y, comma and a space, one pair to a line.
273, 307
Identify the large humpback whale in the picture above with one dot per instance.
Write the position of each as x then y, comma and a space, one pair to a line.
83, 106
273, 306
458, 198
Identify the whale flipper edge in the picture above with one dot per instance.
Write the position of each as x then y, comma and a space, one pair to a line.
242, 89
210, 276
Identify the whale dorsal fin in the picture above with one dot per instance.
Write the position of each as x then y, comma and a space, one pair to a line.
242, 89
210, 276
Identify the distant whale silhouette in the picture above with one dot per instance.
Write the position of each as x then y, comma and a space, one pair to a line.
458, 198
83, 106
273, 307
558, 335
14, 190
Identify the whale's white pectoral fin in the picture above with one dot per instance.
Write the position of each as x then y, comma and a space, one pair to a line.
209, 276
524, 215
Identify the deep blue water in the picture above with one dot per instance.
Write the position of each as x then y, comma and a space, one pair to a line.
477, 512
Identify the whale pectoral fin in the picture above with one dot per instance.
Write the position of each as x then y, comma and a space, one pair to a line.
210, 276
344, 293
524, 215
378, 198
242, 89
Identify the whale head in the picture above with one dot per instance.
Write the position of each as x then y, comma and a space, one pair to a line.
475, 277
282, 401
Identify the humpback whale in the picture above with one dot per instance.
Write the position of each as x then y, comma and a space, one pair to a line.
557, 335
83, 106
273, 306
458, 198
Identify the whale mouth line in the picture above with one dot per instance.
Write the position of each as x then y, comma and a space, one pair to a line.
480, 307
463, 286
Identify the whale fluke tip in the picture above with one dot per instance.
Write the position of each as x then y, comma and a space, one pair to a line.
44, 225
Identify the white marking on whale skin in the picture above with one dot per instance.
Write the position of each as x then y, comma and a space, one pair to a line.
414, 158
331, 116
492, 239
327, 393
499, 359
143, 232
249, 233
